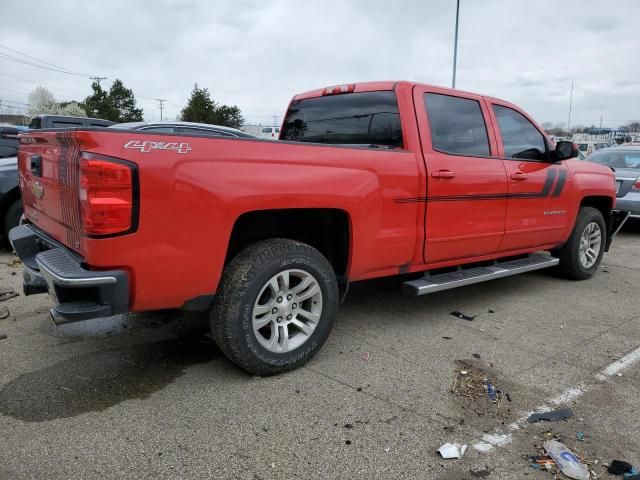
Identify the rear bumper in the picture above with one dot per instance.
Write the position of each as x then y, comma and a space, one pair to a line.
79, 294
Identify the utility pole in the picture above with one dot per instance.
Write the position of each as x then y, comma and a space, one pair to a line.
600, 121
161, 103
455, 45
570, 105
98, 79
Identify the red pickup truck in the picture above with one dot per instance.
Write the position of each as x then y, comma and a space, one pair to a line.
367, 180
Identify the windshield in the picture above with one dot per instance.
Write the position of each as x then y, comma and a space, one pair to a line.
367, 118
617, 159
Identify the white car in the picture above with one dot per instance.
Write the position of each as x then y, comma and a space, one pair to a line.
270, 132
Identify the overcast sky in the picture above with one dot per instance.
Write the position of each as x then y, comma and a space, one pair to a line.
257, 54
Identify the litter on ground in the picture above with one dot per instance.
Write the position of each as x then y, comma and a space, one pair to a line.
552, 416
566, 460
452, 450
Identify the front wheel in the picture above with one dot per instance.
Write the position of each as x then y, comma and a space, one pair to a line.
580, 257
275, 306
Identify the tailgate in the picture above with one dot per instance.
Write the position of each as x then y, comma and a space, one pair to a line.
48, 163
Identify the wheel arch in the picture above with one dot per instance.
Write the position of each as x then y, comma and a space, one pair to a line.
328, 230
602, 203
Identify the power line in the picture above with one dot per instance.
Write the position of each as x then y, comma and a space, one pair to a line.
97, 79
161, 103
37, 59
4, 56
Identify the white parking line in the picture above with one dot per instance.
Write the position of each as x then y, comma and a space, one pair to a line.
500, 439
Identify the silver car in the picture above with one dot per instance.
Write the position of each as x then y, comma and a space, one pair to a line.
626, 163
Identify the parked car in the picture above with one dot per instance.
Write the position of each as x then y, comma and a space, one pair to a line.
184, 128
626, 163
10, 203
9, 140
589, 146
64, 121
633, 141
270, 132
370, 180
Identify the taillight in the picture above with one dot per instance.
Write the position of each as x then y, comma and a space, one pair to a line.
106, 191
339, 89
636, 186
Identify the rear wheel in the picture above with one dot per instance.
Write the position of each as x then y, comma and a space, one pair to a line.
275, 306
580, 257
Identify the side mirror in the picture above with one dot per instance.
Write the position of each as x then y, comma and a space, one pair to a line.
565, 150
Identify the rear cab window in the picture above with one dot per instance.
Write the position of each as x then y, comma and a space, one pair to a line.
369, 119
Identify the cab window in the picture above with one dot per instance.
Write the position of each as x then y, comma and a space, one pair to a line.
457, 125
520, 138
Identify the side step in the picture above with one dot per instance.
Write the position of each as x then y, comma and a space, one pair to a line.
469, 276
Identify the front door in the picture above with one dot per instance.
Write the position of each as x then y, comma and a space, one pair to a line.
539, 190
466, 182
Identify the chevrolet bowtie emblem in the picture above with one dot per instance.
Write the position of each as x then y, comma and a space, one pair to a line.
38, 190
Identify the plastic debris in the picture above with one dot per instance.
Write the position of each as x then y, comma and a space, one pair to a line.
491, 392
619, 467
542, 462
566, 460
634, 474
461, 315
463, 372
580, 436
552, 416
452, 450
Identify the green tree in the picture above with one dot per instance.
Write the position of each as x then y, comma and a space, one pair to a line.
97, 104
124, 103
117, 105
201, 108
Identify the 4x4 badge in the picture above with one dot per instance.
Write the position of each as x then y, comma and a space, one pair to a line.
146, 146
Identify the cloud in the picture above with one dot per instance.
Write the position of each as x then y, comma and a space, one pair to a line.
258, 54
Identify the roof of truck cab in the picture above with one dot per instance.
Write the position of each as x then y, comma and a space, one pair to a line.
389, 85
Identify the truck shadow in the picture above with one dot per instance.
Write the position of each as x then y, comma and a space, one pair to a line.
99, 380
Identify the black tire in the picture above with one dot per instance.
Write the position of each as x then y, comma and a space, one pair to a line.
569, 255
243, 280
12, 217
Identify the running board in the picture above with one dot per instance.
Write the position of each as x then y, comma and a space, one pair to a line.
469, 276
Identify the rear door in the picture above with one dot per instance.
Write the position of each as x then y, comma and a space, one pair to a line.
466, 182
539, 191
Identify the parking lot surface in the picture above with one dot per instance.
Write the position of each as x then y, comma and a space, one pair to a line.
150, 396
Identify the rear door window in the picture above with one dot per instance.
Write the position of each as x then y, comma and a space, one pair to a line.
457, 125
520, 138
358, 119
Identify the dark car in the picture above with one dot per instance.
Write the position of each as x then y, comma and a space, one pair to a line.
10, 202
64, 121
9, 140
189, 128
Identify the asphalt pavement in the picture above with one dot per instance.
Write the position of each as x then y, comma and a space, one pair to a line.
150, 395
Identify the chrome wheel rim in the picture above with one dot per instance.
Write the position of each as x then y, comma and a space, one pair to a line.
287, 310
590, 244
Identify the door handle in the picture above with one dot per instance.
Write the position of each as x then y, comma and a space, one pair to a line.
519, 176
443, 174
